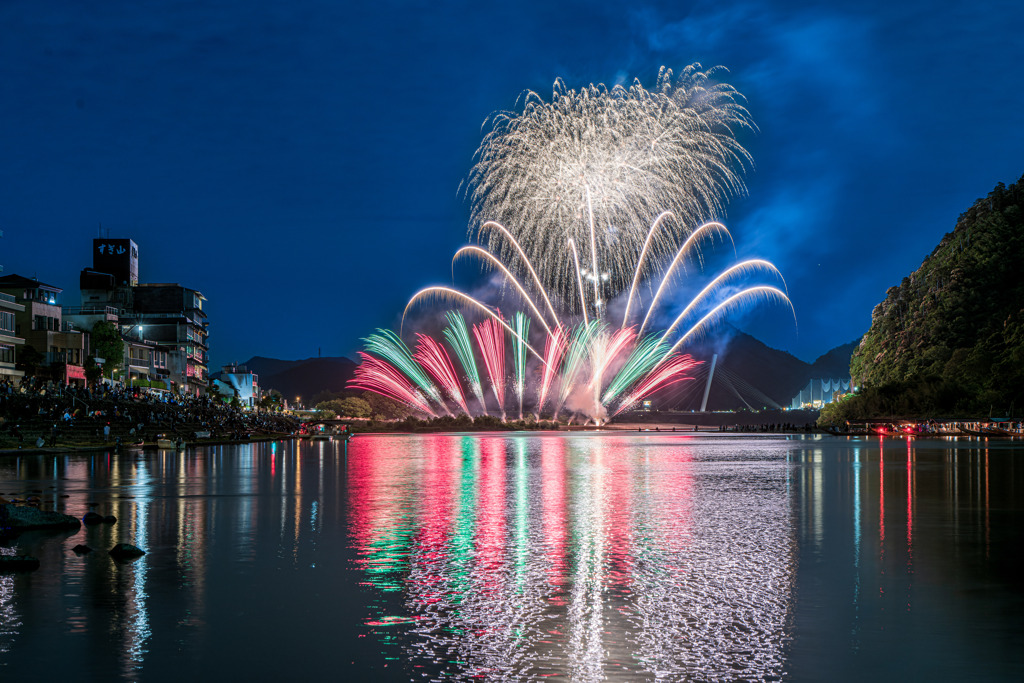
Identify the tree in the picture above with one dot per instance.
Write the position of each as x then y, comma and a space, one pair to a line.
272, 400
385, 407
29, 360
108, 345
949, 339
347, 407
92, 371
354, 407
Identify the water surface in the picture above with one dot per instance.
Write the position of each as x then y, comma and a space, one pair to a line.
526, 556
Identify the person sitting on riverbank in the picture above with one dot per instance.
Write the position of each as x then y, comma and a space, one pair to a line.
87, 413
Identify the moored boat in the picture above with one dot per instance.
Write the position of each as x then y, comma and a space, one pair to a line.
988, 432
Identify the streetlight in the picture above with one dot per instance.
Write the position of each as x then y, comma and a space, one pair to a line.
125, 334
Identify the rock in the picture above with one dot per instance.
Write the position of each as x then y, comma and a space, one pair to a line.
18, 563
92, 518
21, 518
81, 549
110, 519
126, 551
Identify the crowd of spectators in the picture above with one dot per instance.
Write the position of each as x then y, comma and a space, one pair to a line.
49, 413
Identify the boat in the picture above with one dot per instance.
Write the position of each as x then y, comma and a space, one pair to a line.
170, 444
858, 432
989, 432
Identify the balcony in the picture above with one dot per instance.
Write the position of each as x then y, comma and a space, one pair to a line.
95, 309
59, 358
8, 298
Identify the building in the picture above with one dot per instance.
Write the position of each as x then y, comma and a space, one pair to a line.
175, 324
40, 323
238, 381
818, 392
145, 362
9, 339
163, 324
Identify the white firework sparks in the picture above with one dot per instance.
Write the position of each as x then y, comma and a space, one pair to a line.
578, 200
591, 167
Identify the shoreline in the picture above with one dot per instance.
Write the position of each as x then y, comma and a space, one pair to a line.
110, 446
669, 429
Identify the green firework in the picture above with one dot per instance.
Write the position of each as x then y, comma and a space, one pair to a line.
522, 327
457, 334
390, 346
643, 358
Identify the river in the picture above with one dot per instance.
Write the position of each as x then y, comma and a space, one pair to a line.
519, 556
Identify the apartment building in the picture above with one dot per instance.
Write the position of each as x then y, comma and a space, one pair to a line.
9, 339
40, 324
162, 322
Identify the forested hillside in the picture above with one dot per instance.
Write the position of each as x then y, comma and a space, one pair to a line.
950, 338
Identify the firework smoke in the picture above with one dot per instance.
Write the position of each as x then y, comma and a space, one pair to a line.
592, 196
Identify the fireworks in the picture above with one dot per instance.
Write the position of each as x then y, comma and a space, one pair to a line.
522, 325
458, 337
554, 348
593, 166
490, 338
432, 356
594, 198
385, 379
390, 346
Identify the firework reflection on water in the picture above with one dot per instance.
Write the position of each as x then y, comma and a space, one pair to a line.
579, 557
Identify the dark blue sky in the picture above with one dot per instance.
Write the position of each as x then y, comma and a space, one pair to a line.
299, 162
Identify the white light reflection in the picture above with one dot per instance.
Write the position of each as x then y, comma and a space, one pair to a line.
139, 631
587, 563
586, 651
10, 622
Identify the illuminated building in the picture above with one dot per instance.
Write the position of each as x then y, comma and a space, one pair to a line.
9, 340
238, 381
174, 344
40, 324
818, 392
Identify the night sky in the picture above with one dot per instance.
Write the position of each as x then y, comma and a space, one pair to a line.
299, 163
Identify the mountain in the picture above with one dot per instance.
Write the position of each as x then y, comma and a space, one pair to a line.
750, 374
956, 324
835, 363
304, 378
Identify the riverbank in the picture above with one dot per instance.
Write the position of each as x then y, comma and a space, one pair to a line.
107, 446
73, 421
